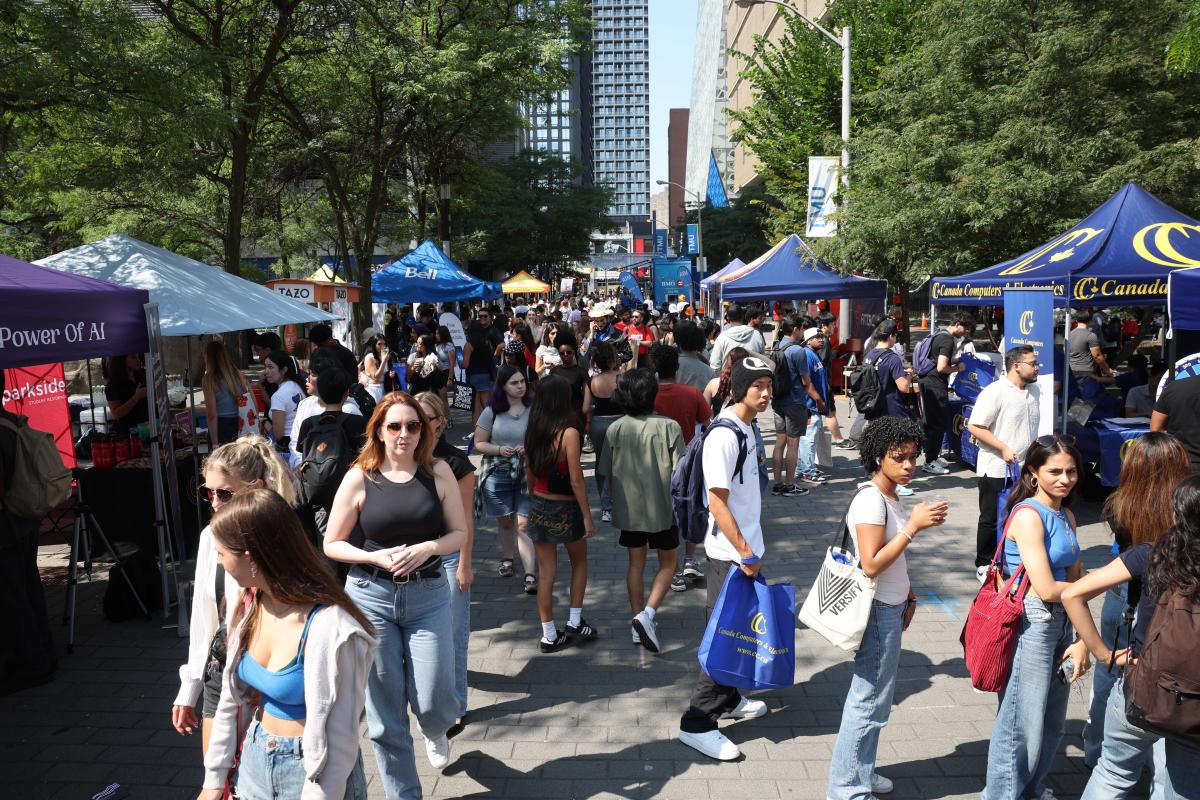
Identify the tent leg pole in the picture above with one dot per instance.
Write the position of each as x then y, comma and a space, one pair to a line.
195, 444
1066, 359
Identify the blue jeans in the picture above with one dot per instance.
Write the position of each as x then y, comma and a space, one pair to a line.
1115, 600
1033, 707
597, 432
806, 456
272, 768
868, 704
1128, 749
413, 666
460, 614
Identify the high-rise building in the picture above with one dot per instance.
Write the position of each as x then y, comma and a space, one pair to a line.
677, 139
603, 119
708, 129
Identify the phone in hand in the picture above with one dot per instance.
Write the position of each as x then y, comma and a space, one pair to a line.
1065, 670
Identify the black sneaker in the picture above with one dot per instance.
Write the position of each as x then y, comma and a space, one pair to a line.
777, 489
795, 490
583, 632
679, 583
560, 641
847, 444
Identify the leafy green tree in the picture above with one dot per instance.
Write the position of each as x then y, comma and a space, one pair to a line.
1183, 54
1009, 121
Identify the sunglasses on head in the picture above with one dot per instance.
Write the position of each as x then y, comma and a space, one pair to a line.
412, 426
224, 495
1051, 439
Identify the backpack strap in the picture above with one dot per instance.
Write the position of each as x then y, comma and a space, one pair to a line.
743, 450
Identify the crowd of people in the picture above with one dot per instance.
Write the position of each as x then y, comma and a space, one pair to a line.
319, 602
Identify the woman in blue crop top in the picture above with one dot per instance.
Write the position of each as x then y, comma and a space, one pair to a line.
559, 512
1039, 536
301, 645
409, 510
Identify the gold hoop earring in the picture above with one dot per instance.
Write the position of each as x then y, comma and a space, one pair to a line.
1033, 482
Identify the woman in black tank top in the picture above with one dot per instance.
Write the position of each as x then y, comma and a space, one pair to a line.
559, 513
604, 412
409, 511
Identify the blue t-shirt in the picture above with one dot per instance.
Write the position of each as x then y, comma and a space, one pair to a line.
816, 376
889, 367
1137, 561
1062, 546
793, 356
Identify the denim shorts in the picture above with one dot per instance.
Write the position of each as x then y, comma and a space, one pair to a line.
272, 768
501, 496
481, 381
555, 521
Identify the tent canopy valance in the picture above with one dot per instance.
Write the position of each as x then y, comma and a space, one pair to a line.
789, 269
524, 283
427, 275
52, 316
722, 274
1120, 255
193, 298
1183, 299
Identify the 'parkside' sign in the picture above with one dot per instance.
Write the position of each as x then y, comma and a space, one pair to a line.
72, 332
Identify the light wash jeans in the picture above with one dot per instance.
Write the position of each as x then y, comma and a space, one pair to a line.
1033, 707
597, 432
460, 614
1115, 600
1128, 748
868, 704
413, 666
806, 456
272, 768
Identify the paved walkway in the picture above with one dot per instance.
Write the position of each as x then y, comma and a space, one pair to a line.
596, 722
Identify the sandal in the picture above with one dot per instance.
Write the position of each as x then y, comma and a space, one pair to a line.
530, 583
506, 568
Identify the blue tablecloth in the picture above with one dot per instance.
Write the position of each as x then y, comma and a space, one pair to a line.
1114, 441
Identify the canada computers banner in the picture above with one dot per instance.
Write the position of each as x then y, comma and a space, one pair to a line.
1029, 321
822, 184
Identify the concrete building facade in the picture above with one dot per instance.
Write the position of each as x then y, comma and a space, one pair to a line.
677, 151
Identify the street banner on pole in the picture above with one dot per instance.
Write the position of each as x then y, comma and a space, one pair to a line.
1029, 320
660, 242
822, 183
630, 283
693, 240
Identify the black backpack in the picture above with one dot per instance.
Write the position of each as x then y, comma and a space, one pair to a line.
783, 385
326, 458
142, 569
866, 388
689, 500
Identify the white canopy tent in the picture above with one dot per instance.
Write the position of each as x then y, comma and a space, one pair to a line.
193, 298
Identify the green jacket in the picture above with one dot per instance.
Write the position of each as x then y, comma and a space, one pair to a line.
638, 457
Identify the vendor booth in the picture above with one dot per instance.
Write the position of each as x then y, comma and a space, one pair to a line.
524, 283
790, 270
427, 275
328, 291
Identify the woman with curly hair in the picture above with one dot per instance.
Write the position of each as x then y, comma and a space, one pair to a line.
882, 531
1163, 556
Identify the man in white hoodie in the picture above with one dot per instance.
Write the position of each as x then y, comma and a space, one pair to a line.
738, 334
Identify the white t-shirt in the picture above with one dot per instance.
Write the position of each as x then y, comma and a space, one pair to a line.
872, 507
1012, 416
550, 357
311, 407
719, 460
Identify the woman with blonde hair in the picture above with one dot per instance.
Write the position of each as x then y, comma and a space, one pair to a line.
247, 463
224, 391
410, 511
301, 650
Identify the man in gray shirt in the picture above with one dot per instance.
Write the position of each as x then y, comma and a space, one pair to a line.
694, 369
1087, 360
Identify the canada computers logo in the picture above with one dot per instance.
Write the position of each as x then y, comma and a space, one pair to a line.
1026, 322
758, 624
1060, 249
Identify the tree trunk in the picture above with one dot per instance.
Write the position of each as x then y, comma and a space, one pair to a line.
1132, 345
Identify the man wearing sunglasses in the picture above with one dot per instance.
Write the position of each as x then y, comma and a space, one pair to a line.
1005, 422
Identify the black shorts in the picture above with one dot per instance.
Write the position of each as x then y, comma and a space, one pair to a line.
661, 540
553, 521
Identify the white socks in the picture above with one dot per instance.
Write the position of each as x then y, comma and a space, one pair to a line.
576, 617
649, 612
549, 632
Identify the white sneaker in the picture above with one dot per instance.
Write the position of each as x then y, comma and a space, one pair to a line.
881, 785
934, 468
606, 516
438, 751
747, 709
636, 638
903, 491
647, 631
981, 573
713, 744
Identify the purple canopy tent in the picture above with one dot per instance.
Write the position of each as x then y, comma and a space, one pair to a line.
52, 316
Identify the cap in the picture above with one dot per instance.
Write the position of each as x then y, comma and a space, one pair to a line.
600, 311
812, 333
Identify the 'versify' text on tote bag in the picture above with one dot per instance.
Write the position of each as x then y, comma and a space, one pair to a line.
839, 604
750, 641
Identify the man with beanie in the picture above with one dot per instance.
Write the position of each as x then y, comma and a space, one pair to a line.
734, 541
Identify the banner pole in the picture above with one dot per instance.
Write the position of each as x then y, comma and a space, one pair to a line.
1066, 394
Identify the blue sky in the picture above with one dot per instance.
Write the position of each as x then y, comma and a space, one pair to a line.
672, 36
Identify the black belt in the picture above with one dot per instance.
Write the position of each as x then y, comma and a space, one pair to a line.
428, 572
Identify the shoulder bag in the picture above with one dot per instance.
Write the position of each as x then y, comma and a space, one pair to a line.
989, 637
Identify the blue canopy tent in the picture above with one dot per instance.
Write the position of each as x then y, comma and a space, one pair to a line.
1183, 305
1120, 255
724, 272
789, 269
427, 275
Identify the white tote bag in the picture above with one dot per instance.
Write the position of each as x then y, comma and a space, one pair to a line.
839, 604
824, 448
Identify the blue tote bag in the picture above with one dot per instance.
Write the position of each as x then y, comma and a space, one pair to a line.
750, 641
1011, 478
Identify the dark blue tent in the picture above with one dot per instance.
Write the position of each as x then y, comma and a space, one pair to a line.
427, 275
1183, 299
1120, 255
789, 269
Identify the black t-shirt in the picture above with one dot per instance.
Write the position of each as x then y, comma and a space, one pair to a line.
458, 462
942, 344
1180, 401
1137, 561
353, 425
118, 393
484, 342
577, 377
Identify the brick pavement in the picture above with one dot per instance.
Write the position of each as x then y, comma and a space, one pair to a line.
595, 722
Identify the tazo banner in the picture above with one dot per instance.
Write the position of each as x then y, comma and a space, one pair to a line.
822, 184
1029, 320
